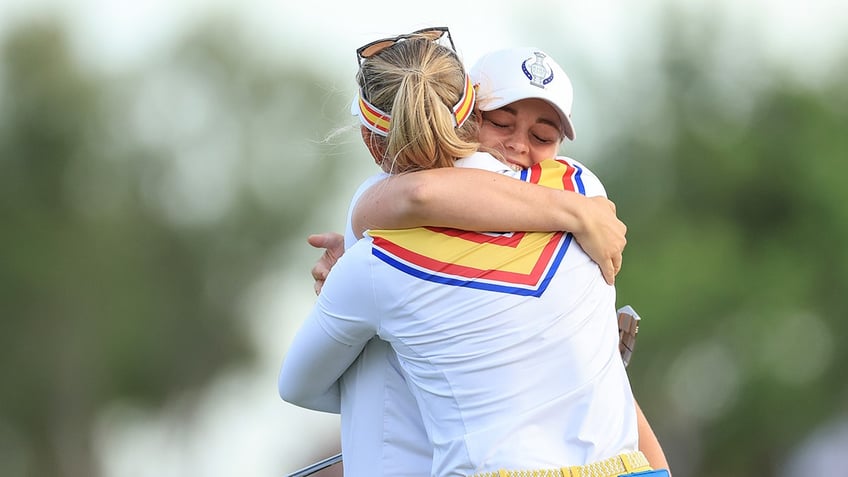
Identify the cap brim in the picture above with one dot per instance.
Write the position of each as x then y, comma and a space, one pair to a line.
354, 106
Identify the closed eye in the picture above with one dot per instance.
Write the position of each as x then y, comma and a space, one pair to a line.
496, 124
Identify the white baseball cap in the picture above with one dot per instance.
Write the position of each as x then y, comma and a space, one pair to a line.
506, 76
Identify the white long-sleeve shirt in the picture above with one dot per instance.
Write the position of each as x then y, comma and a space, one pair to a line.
508, 342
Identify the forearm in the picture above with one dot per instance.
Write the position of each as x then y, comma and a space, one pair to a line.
441, 198
648, 442
328, 401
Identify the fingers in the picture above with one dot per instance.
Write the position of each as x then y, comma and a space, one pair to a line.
610, 269
320, 269
616, 263
333, 245
319, 274
325, 240
317, 240
603, 237
608, 276
609, 272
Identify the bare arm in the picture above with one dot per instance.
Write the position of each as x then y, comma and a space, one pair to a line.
649, 444
441, 198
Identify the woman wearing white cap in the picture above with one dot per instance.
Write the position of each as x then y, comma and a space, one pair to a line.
438, 197
481, 372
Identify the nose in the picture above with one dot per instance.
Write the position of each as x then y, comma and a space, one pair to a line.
517, 142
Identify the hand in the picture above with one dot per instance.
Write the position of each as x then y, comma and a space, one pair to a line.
603, 236
333, 245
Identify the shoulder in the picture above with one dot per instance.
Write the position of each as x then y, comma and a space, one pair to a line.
349, 289
589, 180
564, 173
483, 160
350, 237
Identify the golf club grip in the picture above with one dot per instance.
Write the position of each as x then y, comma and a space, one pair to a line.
320, 465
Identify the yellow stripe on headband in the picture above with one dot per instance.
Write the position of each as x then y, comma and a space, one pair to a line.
378, 120
373, 117
463, 108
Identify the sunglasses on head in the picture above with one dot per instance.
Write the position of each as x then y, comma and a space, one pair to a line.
432, 34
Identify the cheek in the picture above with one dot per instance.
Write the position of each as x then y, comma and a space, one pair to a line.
539, 153
489, 137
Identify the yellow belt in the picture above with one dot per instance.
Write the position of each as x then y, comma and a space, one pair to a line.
612, 467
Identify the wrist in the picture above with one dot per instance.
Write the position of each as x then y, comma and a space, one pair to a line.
575, 212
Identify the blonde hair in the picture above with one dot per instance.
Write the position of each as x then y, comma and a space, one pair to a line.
417, 82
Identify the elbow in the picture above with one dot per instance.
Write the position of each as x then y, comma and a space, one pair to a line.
294, 397
289, 392
419, 197
284, 393
283, 390
327, 401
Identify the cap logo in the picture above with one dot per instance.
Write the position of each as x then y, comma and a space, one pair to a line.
539, 73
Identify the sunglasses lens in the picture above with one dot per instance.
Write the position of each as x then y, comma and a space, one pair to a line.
375, 48
432, 35
372, 49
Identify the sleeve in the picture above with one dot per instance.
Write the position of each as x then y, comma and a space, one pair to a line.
340, 324
296, 384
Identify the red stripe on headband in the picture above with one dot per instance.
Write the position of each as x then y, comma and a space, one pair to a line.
378, 120
463, 108
373, 117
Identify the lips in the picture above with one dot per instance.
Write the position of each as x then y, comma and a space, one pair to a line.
517, 166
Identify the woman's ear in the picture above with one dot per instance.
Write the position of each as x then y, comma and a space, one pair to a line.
376, 144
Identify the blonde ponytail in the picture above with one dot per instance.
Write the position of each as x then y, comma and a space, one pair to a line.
418, 82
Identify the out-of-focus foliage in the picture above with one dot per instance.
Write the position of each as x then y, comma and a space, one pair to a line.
735, 258
134, 212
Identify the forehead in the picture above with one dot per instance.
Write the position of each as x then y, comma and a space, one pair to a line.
535, 110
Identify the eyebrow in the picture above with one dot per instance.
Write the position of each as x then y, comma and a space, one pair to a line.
552, 124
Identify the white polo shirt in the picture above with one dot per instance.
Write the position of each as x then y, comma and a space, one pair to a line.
507, 342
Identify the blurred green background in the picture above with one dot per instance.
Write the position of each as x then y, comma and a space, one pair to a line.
153, 214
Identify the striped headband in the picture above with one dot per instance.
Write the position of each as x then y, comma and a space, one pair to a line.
378, 120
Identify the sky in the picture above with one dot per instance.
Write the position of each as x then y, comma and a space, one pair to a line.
239, 426
120, 33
